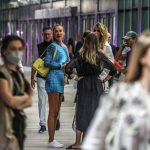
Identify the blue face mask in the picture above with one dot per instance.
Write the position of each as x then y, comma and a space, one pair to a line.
14, 57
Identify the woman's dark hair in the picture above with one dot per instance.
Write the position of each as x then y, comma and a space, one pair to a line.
86, 33
71, 42
7, 40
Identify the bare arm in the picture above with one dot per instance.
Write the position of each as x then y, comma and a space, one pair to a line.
32, 73
71, 65
32, 78
16, 102
27, 104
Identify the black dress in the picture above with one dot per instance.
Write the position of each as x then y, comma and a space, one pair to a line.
89, 88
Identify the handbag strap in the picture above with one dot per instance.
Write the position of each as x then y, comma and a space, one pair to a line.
45, 51
54, 55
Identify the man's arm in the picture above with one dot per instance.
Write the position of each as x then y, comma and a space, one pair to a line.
32, 78
119, 55
33, 72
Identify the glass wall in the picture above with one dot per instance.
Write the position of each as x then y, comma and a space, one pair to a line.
19, 19
4, 4
133, 15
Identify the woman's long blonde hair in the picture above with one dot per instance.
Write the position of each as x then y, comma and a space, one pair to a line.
103, 31
140, 49
90, 48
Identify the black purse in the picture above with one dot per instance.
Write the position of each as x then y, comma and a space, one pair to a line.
19, 125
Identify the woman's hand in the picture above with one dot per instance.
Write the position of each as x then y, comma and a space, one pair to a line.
107, 78
66, 80
28, 100
33, 83
63, 66
27, 103
26, 96
76, 78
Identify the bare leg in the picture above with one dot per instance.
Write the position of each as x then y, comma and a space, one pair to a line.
77, 143
78, 137
83, 135
54, 108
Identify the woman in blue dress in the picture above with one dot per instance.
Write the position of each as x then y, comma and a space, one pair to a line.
56, 59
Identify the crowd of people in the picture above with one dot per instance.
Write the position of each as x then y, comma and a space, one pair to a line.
111, 116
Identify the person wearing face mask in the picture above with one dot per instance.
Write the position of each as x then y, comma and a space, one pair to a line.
20, 66
55, 80
42, 96
15, 95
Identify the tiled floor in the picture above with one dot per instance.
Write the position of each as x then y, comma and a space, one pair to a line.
65, 135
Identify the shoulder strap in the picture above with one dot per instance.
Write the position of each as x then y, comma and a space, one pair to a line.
45, 51
54, 55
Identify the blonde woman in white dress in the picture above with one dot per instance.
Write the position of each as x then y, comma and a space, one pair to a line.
102, 33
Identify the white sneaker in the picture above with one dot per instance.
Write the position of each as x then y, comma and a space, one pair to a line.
55, 144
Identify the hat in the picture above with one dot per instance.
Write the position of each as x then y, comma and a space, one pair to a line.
129, 35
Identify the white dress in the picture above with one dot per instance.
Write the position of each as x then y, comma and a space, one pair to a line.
109, 54
107, 125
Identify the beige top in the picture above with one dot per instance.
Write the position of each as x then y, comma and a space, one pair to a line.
7, 138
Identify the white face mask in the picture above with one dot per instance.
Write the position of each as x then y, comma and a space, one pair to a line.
14, 57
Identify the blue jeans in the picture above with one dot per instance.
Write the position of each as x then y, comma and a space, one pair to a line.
42, 98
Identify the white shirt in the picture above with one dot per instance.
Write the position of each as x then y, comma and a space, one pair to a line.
109, 54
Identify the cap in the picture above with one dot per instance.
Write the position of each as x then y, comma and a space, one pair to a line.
129, 35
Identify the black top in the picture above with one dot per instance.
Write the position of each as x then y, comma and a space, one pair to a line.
78, 47
86, 69
41, 48
114, 49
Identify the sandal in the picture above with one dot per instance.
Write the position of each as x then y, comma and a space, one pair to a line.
71, 147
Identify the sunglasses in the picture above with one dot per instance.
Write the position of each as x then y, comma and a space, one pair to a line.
96, 30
